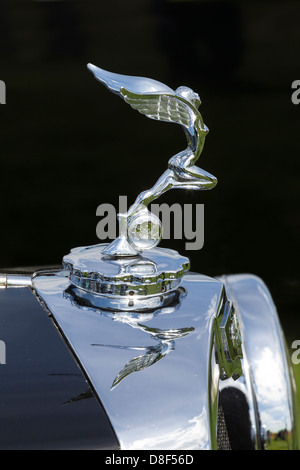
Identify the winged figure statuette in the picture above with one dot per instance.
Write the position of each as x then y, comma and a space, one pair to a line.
139, 228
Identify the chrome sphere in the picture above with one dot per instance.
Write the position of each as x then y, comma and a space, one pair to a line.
145, 231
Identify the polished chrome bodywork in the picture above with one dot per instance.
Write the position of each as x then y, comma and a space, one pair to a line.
152, 371
157, 101
161, 373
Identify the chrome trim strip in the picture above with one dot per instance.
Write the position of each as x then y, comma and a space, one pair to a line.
14, 280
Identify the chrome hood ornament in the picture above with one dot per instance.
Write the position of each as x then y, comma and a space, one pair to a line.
130, 270
140, 229
149, 336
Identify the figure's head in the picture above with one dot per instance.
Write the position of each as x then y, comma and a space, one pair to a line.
189, 95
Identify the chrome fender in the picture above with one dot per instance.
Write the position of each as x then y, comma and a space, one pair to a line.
268, 384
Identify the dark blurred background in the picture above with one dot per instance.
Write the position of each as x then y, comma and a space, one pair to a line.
68, 145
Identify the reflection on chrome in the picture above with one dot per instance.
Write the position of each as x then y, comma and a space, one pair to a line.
152, 354
125, 283
272, 397
193, 436
270, 390
228, 341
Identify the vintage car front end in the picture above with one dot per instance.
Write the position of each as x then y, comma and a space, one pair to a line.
206, 369
124, 347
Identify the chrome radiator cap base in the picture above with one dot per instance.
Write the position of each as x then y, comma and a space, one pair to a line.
92, 271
